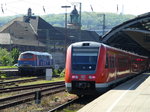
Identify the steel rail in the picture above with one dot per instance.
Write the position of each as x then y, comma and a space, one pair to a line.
4, 69
22, 98
19, 81
60, 107
14, 89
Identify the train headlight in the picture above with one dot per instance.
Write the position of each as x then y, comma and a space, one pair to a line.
91, 77
75, 77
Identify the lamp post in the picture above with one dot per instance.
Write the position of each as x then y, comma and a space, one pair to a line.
66, 6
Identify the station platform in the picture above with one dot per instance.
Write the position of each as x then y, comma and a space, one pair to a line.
131, 96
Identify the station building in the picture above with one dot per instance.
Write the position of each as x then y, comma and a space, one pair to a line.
35, 34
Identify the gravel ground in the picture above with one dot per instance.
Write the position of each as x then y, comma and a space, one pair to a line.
46, 104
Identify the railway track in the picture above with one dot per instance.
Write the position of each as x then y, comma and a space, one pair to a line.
34, 86
60, 107
18, 81
9, 78
8, 69
73, 103
28, 96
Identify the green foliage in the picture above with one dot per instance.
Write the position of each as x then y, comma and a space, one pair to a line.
55, 19
59, 72
62, 74
6, 19
93, 21
15, 54
2, 67
5, 57
3, 75
56, 71
8, 58
90, 20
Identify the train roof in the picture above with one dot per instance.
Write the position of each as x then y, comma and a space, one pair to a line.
37, 53
86, 44
97, 44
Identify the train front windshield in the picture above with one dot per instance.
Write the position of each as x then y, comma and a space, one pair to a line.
26, 56
84, 60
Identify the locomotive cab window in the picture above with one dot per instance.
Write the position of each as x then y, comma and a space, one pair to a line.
26, 56
84, 60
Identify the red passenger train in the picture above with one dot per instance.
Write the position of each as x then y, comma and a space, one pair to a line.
93, 67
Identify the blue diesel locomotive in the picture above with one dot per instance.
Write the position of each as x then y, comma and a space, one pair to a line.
32, 62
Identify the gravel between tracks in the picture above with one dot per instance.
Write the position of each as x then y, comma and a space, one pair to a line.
47, 103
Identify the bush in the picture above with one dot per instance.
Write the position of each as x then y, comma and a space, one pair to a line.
58, 72
15, 54
5, 57
8, 58
62, 74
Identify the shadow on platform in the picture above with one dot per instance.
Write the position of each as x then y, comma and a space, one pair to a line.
133, 83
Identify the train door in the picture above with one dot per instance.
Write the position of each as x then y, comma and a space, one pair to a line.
130, 64
112, 69
115, 66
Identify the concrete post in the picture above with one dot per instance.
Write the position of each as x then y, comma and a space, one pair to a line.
48, 74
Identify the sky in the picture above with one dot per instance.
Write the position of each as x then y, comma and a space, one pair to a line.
43, 7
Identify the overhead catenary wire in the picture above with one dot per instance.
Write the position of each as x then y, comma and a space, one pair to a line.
10, 6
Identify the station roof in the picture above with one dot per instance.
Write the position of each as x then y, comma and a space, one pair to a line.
132, 35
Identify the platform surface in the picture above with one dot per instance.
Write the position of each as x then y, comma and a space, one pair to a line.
131, 96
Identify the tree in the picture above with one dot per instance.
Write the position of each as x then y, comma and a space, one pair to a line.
5, 57
90, 20
15, 54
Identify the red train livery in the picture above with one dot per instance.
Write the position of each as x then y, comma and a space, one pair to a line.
93, 67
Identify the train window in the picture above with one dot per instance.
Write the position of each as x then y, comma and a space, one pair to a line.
122, 62
84, 59
27, 56
107, 63
112, 62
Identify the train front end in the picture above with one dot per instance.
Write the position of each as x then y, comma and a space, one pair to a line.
81, 65
27, 62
